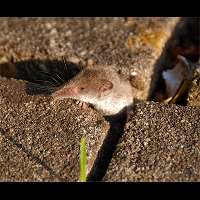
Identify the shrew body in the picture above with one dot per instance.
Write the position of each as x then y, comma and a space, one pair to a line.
100, 86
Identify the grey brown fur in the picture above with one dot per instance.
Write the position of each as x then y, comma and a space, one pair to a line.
101, 86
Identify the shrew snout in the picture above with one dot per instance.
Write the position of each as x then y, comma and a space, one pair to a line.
65, 92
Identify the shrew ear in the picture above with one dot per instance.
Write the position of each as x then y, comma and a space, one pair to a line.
105, 87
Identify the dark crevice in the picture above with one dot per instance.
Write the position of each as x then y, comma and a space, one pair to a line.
105, 154
30, 155
42, 76
185, 41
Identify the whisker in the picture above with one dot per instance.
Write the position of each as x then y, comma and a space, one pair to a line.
45, 72
37, 85
53, 78
50, 83
65, 64
62, 81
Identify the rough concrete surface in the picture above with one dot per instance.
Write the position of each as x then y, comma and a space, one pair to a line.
16, 165
193, 98
160, 143
49, 134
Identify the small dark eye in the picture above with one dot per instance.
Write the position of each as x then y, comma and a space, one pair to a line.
82, 88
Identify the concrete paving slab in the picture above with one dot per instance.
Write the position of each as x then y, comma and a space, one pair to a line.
16, 165
160, 143
193, 98
50, 132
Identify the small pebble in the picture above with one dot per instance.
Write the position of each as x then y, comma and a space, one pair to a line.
90, 62
68, 33
52, 43
83, 53
69, 44
133, 73
74, 60
53, 31
48, 25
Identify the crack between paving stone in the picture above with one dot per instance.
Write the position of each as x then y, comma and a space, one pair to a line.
30, 155
105, 154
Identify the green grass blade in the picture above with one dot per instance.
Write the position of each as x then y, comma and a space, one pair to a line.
83, 160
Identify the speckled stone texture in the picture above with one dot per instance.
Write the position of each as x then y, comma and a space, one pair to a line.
132, 46
16, 165
44, 137
193, 98
160, 143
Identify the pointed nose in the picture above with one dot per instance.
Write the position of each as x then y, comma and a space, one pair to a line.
65, 92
